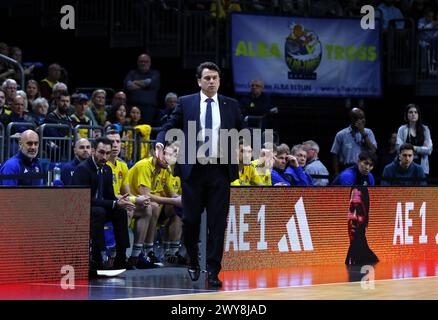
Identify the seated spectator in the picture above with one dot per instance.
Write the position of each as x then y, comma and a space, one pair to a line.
9, 86
404, 167
97, 111
170, 102
33, 92
248, 175
105, 206
117, 116
118, 99
23, 94
314, 166
25, 162
151, 178
59, 149
80, 103
134, 116
17, 115
53, 76
58, 88
388, 11
278, 175
358, 174
265, 162
40, 106
3, 109
286, 170
60, 116
298, 176
257, 103
82, 151
140, 214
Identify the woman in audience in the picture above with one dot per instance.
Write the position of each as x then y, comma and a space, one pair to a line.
417, 134
40, 106
97, 109
117, 116
33, 92
134, 116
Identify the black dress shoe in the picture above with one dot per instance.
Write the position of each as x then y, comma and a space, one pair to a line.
194, 272
214, 281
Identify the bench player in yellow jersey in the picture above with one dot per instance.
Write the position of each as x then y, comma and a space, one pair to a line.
151, 177
171, 218
141, 214
265, 162
248, 175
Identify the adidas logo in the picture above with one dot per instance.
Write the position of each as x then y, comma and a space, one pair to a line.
292, 232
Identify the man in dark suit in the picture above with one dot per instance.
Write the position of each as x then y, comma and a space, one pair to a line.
206, 177
95, 173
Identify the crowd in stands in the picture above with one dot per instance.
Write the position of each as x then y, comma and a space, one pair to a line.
390, 9
149, 184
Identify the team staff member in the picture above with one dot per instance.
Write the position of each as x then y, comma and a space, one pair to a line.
205, 185
25, 162
82, 151
105, 206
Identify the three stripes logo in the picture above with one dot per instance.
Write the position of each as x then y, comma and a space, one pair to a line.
292, 233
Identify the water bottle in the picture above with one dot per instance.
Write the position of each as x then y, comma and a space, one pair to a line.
57, 175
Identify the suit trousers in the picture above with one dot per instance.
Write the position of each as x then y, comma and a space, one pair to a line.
208, 187
99, 216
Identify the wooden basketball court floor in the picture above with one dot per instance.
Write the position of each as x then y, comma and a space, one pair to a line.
398, 280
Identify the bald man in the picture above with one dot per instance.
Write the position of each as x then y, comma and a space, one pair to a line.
351, 141
142, 86
25, 162
82, 151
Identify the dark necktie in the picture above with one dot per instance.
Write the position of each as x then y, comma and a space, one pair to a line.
99, 194
208, 122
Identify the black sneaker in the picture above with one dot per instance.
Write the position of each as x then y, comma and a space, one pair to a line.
144, 262
152, 257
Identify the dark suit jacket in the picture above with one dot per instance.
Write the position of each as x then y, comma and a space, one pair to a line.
86, 175
188, 109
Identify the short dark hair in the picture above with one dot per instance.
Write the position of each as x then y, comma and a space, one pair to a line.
367, 155
406, 146
103, 140
63, 93
207, 65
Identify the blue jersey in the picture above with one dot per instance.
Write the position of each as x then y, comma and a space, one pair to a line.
352, 177
20, 164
